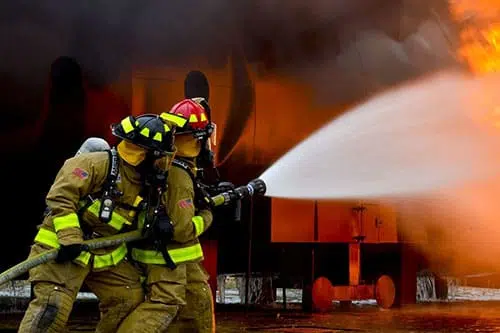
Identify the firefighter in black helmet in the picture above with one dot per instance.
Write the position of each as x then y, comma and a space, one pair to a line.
78, 201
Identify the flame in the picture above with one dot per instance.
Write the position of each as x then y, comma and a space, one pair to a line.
480, 36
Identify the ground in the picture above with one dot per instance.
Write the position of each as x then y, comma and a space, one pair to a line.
466, 309
422, 318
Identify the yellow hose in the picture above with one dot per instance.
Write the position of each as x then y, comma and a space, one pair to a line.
91, 244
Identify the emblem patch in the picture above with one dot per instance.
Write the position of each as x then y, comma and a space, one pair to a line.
80, 173
186, 203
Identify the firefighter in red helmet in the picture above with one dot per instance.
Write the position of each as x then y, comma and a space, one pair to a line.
194, 148
167, 287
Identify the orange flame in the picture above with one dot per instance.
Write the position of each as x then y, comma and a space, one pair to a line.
480, 36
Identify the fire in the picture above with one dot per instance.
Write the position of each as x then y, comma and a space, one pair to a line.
480, 35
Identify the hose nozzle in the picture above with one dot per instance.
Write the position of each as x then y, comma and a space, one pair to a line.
256, 186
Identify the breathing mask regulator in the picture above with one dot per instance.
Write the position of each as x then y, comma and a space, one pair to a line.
154, 169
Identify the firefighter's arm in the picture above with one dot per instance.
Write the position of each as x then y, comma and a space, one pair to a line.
73, 182
180, 207
205, 219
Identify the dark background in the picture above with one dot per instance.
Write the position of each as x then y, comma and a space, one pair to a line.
48, 107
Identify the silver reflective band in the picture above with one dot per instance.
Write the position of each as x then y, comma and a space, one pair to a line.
250, 189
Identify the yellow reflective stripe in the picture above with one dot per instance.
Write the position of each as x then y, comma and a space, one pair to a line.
137, 201
110, 259
203, 117
117, 221
145, 132
180, 255
127, 125
178, 120
193, 118
199, 224
186, 253
158, 137
141, 219
47, 237
66, 221
148, 257
84, 258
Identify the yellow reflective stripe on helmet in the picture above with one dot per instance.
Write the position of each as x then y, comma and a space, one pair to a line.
145, 132
158, 137
84, 258
178, 120
110, 259
167, 129
66, 221
117, 221
47, 237
203, 117
193, 118
127, 125
193, 252
199, 224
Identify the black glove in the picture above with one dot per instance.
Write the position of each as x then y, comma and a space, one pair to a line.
68, 253
224, 187
163, 229
163, 232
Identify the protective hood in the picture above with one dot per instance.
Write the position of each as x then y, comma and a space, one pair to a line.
187, 145
130, 153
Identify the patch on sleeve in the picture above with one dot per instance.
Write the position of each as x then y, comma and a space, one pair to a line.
185, 203
80, 173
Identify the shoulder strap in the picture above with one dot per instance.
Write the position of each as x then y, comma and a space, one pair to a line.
200, 195
113, 168
110, 191
184, 166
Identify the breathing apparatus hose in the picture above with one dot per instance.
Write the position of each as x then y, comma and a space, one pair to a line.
256, 186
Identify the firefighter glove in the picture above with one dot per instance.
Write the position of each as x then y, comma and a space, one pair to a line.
163, 230
68, 253
224, 187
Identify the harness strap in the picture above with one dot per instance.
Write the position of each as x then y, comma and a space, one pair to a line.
109, 189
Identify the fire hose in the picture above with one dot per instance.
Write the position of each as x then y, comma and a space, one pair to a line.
256, 186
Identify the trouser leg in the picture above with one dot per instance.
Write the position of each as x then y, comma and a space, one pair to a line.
198, 314
166, 293
119, 291
55, 287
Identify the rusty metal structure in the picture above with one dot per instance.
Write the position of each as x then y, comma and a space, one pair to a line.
339, 250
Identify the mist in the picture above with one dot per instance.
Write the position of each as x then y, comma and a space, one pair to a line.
109, 38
